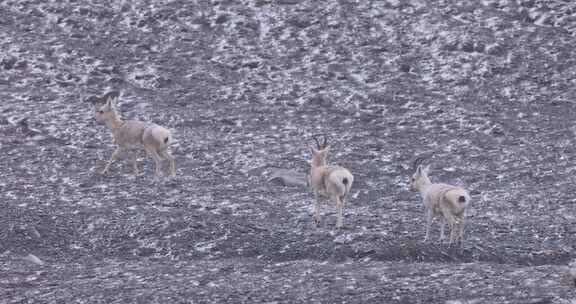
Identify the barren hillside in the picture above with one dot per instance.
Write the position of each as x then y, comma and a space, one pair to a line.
485, 89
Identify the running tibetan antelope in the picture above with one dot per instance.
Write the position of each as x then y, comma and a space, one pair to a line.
441, 200
134, 135
333, 182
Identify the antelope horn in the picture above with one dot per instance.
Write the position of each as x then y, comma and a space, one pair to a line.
325, 143
325, 139
111, 94
93, 100
417, 163
318, 145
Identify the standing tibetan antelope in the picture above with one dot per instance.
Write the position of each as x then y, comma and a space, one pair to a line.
441, 200
134, 135
333, 182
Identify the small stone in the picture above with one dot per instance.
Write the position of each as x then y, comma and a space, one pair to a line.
287, 177
34, 259
8, 63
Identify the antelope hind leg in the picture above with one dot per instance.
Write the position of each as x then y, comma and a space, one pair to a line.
340, 212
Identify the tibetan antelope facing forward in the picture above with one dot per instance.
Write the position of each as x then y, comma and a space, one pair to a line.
441, 200
134, 135
333, 182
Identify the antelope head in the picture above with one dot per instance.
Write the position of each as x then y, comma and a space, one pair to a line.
106, 107
420, 175
320, 153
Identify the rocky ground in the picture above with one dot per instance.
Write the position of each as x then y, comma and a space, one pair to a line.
484, 89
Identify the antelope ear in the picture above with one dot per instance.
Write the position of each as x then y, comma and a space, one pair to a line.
111, 98
112, 101
423, 170
426, 169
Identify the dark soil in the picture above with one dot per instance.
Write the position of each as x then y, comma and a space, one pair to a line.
484, 89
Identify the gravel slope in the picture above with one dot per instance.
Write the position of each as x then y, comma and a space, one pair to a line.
484, 88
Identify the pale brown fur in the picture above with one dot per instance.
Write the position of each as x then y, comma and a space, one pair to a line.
135, 135
333, 182
442, 200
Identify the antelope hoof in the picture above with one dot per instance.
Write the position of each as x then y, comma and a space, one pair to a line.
316, 222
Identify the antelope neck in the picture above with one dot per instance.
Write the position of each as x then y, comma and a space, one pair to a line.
114, 123
316, 165
425, 185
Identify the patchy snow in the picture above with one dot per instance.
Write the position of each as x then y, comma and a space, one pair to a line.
483, 88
